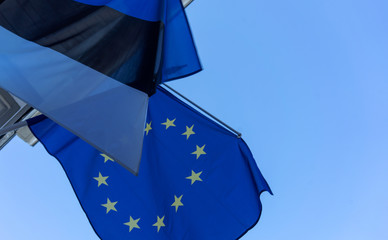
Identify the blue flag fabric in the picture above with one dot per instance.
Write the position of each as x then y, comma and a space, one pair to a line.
196, 181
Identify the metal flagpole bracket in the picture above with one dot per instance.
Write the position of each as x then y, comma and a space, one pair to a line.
186, 3
238, 134
13, 113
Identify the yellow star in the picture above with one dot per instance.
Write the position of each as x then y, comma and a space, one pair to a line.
159, 223
109, 206
177, 203
132, 223
101, 179
169, 123
148, 128
189, 131
199, 151
194, 177
106, 158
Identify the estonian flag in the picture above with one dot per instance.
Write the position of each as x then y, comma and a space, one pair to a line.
91, 65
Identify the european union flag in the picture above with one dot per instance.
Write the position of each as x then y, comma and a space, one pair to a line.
196, 181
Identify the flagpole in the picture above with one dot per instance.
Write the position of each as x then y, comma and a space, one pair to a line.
204, 111
12, 127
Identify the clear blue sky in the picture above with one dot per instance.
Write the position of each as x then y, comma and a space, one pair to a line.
306, 82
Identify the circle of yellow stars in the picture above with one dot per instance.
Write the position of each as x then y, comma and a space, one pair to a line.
194, 177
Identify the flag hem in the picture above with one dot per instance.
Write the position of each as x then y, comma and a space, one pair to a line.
258, 218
